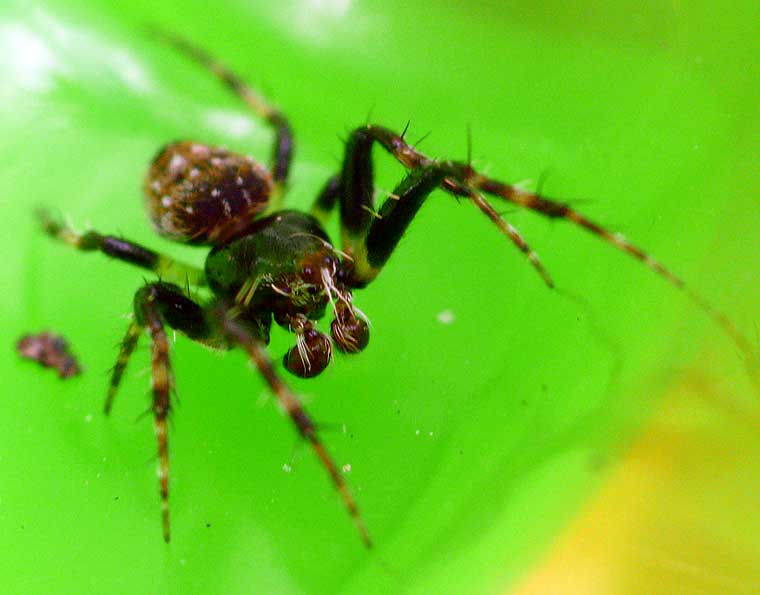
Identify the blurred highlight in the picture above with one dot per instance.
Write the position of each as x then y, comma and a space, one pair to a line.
680, 513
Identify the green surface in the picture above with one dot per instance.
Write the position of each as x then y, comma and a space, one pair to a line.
470, 443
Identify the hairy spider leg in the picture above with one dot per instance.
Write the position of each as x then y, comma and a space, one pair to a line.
372, 248
558, 210
155, 305
160, 303
370, 237
128, 345
325, 202
464, 181
292, 406
147, 315
282, 153
164, 266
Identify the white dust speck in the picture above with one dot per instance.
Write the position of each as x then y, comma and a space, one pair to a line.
416, 432
286, 468
430, 433
347, 468
445, 317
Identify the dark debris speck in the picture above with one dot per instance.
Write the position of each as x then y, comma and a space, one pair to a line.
51, 351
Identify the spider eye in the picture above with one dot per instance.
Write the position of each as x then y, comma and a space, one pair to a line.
311, 274
351, 334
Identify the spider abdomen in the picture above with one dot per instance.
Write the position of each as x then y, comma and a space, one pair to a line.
204, 195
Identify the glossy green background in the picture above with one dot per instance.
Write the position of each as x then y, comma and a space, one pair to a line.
470, 443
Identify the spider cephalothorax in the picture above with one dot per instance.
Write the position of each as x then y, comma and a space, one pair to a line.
286, 265
267, 264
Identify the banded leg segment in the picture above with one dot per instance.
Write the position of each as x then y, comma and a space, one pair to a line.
558, 210
156, 305
238, 334
125, 352
463, 180
282, 153
371, 237
164, 266
148, 316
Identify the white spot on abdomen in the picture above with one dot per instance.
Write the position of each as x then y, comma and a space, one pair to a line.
176, 164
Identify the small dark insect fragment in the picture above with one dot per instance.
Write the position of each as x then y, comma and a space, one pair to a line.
52, 351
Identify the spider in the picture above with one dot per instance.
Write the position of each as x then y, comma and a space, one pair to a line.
272, 264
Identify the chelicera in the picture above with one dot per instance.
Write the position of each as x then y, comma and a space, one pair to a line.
272, 264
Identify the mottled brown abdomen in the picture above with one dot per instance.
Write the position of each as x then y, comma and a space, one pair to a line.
204, 195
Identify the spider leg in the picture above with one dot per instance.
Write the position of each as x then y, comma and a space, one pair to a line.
558, 210
156, 305
323, 206
462, 180
282, 153
125, 352
372, 247
177, 310
237, 333
148, 315
371, 237
166, 267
